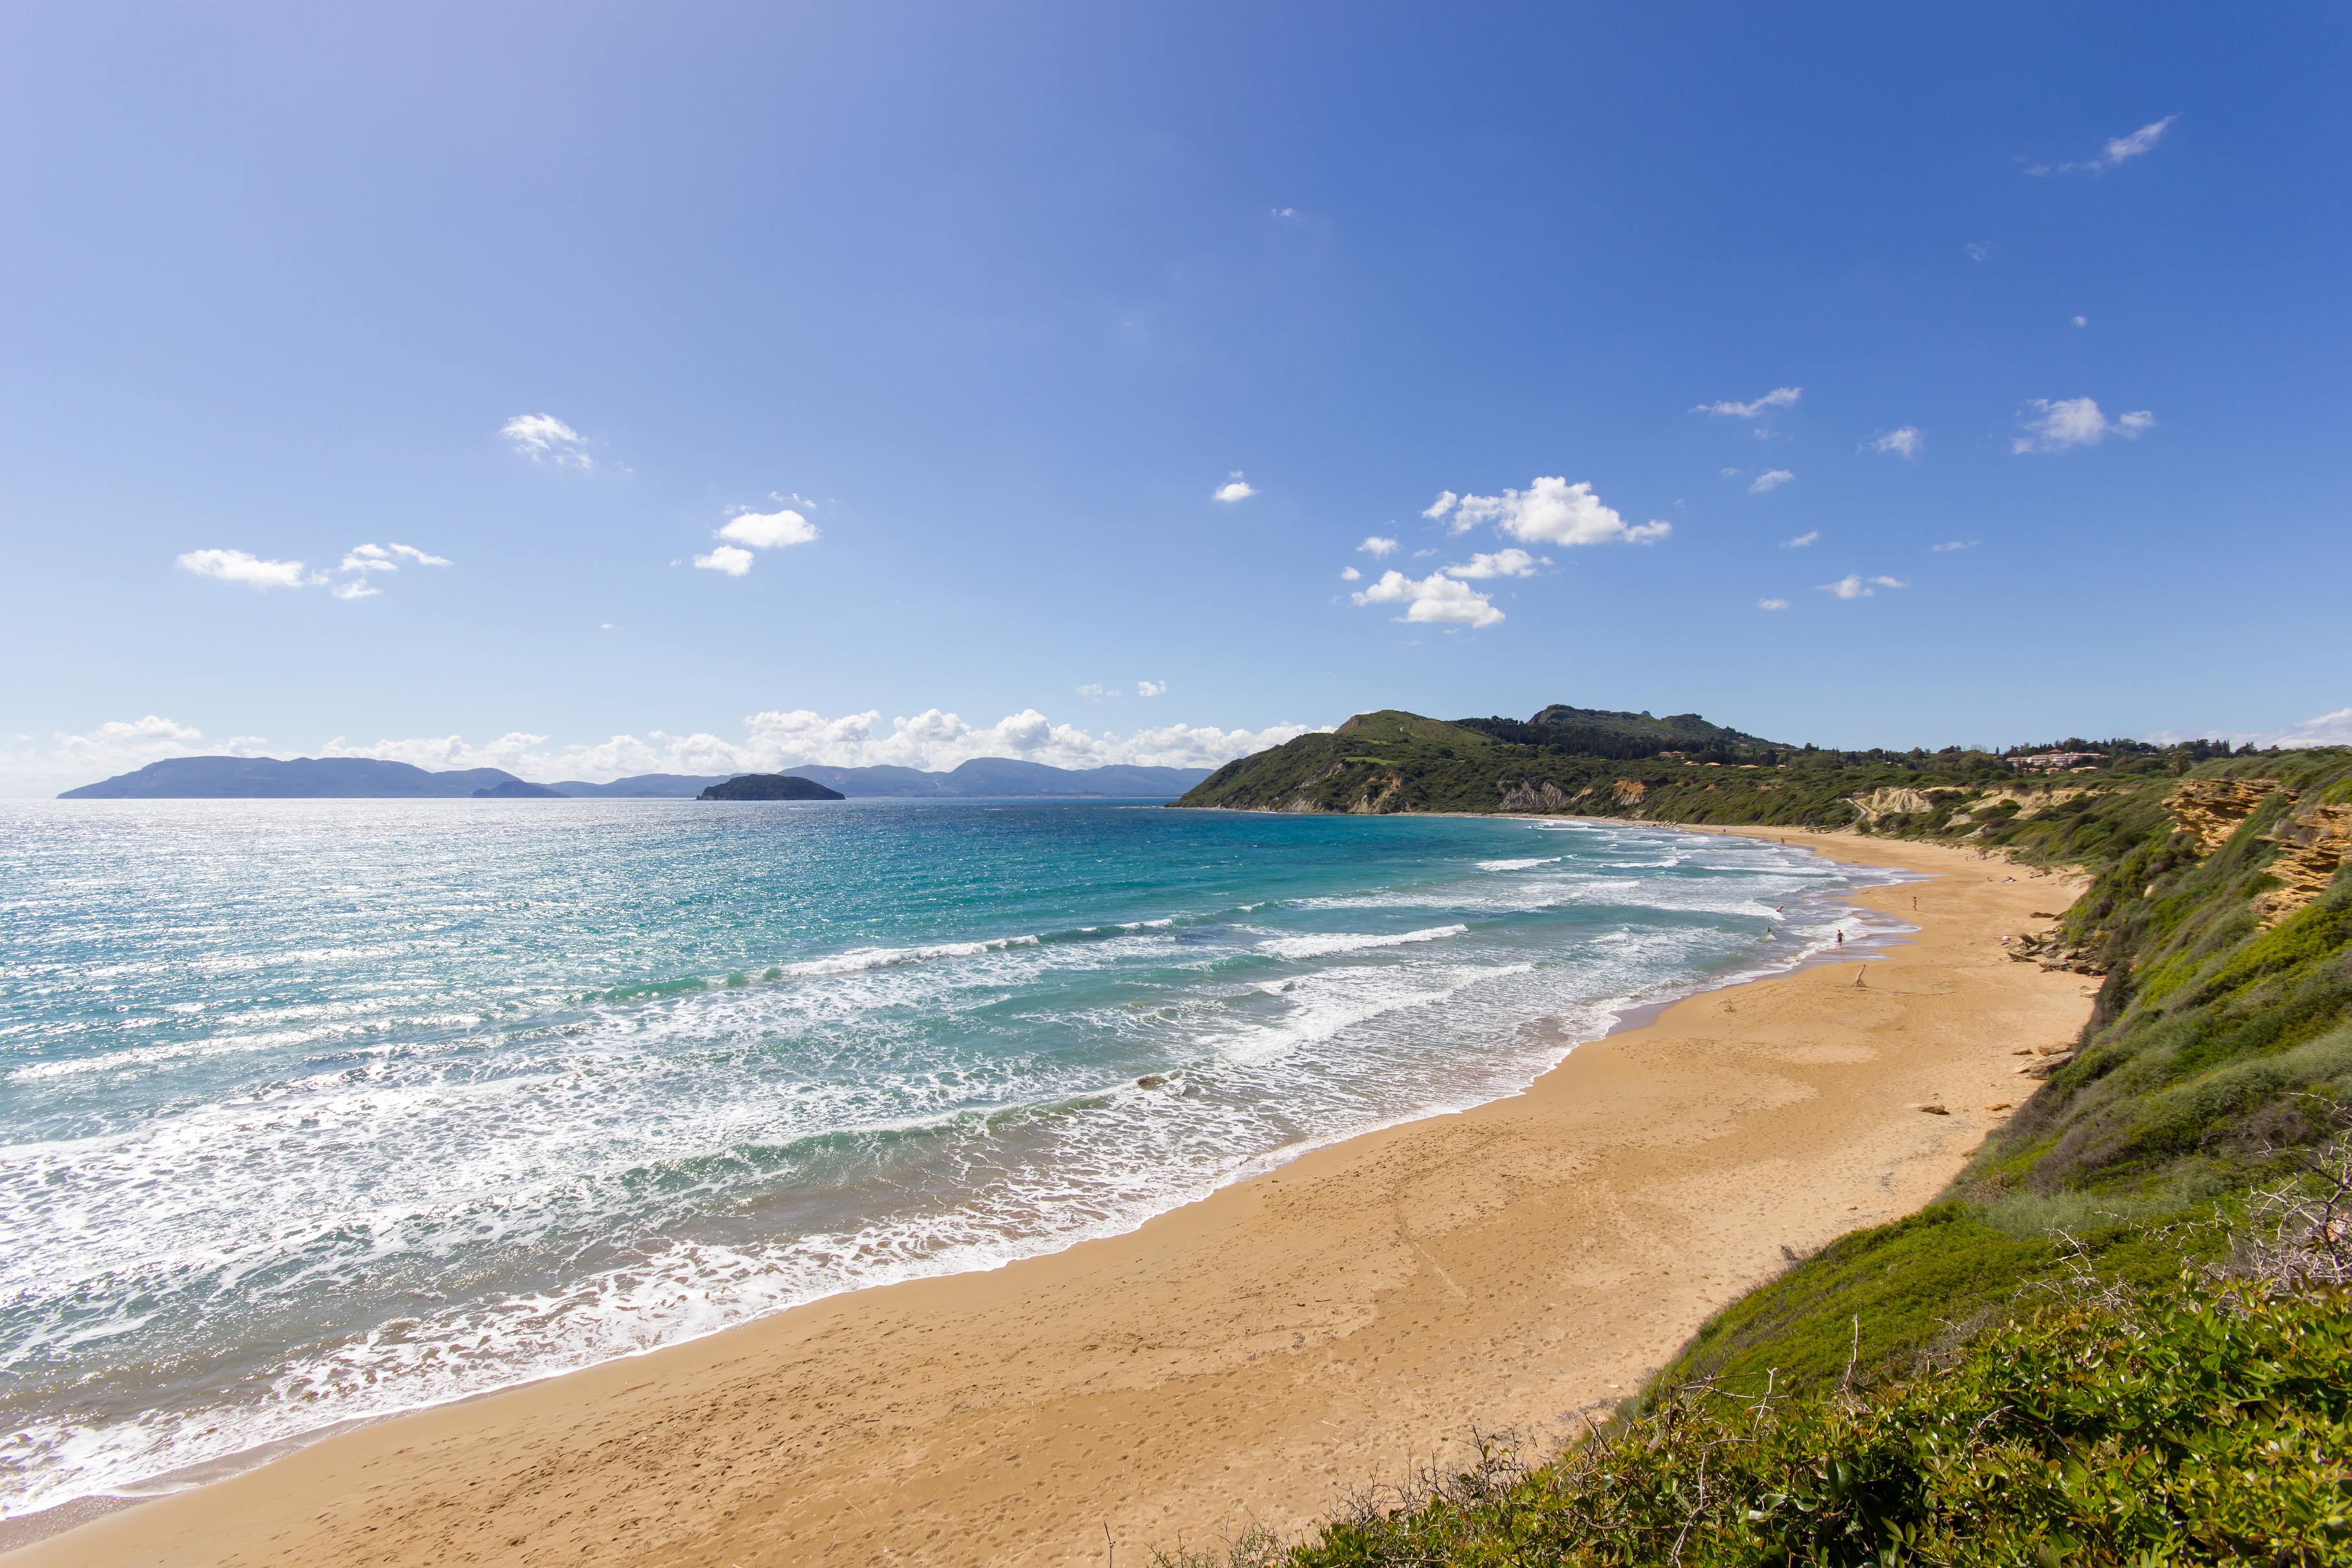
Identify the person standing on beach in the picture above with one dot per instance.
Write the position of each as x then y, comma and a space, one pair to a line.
1840, 942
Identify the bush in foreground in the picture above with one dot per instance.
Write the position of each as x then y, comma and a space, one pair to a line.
2198, 1424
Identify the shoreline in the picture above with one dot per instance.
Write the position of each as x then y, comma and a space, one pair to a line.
1246, 1356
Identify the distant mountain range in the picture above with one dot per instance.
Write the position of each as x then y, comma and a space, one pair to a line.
259, 778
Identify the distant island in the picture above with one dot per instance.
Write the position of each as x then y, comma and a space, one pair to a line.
769, 786
268, 778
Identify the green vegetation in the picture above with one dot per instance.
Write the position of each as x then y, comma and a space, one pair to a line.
2196, 1425
769, 786
2040, 1368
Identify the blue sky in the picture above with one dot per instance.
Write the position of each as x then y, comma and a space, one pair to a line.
959, 319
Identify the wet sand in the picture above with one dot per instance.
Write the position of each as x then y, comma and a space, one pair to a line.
1245, 1358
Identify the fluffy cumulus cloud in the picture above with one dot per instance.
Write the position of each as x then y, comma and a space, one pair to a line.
1502, 564
1553, 512
1150, 689
1441, 506
1437, 599
1350, 574
1770, 479
726, 558
775, 529
1904, 443
1779, 397
2119, 151
2074, 422
1375, 546
236, 566
544, 438
1235, 488
746, 531
1855, 586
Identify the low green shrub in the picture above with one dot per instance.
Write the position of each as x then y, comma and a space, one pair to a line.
2197, 1425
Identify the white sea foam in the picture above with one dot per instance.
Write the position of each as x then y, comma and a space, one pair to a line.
1351, 941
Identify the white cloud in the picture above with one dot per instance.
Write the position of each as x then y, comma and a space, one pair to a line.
1779, 397
774, 742
2081, 320
1855, 586
1771, 603
1904, 443
1977, 249
727, 559
1238, 489
1949, 545
2118, 151
1502, 564
1801, 541
1732, 473
1348, 575
544, 438
1770, 479
116, 747
2328, 730
1150, 689
1376, 546
236, 566
1434, 599
2076, 422
1440, 507
768, 530
1553, 512
1095, 691
2140, 141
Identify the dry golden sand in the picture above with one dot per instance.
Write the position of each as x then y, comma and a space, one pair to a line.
1246, 1358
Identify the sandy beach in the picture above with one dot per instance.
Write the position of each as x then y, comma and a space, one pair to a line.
1247, 1358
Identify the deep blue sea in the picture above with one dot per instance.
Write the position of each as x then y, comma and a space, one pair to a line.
316, 1110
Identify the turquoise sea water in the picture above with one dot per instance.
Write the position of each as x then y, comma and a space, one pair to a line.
312, 1111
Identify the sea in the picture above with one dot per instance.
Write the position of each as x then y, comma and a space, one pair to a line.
316, 1112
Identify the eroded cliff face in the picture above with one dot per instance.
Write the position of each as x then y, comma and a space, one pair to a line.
2209, 810
2311, 839
1877, 803
1524, 797
1378, 794
1550, 796
2312, 843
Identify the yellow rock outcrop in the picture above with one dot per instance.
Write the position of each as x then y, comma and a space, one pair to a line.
2209, 810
